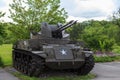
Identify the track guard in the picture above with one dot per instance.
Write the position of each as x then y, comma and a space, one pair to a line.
88, 53
40, 53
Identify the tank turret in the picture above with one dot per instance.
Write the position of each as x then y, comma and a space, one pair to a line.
54, 31
57, 33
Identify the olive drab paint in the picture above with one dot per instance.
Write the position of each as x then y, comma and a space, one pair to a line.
51, 48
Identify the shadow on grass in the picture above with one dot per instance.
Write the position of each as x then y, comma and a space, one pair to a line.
1, 62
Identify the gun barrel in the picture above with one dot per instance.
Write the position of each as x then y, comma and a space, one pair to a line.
66, 25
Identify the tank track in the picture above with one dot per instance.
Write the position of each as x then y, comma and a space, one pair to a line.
28, 63
87, 67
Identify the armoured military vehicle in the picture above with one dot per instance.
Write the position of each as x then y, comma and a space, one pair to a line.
51, 48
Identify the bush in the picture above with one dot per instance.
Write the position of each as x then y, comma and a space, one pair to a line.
1, 62
116, 49
106, 58
94, 38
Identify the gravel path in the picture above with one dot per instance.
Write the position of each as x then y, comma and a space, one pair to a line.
4, 75
107, 71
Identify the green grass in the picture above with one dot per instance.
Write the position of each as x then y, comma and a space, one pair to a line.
107, 58
87, 77
6, 54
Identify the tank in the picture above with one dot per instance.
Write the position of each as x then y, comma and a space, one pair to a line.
51, 48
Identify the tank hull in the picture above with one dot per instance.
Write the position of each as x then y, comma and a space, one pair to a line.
33, 61
71, 64
53, 63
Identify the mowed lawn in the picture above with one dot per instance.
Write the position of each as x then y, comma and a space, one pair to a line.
6, 54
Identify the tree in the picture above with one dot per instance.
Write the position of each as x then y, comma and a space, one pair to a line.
77, 30
2, 29
116, 17
1, 14
116, 21
100, 35
28, 14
